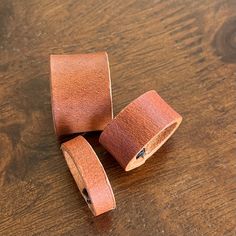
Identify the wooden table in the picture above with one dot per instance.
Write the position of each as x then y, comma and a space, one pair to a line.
186, 50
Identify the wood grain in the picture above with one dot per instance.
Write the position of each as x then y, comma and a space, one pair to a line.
184, 49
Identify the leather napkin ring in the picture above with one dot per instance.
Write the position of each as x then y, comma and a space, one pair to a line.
80, 92
89, 175
140, 129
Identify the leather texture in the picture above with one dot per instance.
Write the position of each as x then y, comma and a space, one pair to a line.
139, 130
80, 92
89, 175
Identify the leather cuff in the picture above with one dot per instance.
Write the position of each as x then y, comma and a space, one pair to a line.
139, 130
89, 175
80, 92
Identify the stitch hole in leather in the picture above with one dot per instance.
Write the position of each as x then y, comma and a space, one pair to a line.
86, 196
141, 154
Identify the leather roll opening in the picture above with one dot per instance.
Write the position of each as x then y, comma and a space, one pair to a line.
152, 146
160, 138
78, 179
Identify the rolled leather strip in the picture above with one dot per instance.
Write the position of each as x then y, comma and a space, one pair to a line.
80, 92
139, 130
89, 175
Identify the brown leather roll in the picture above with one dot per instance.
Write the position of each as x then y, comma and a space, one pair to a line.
140, 129
80, 92
89, 175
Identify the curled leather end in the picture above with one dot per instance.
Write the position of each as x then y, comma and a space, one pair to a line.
80, 92
140, 129
89, 175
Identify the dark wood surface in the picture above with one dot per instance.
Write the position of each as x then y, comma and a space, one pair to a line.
186, 50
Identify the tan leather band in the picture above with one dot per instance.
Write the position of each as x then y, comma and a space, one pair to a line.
80, 92
89, 175
139, 130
